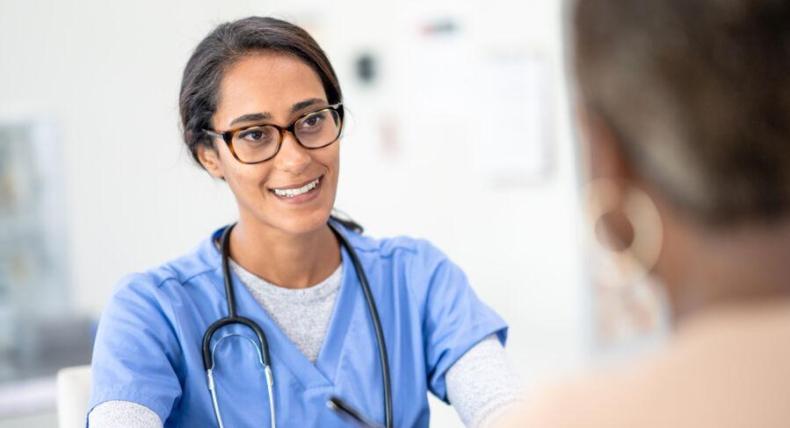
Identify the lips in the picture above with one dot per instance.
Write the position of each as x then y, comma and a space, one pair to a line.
298, 189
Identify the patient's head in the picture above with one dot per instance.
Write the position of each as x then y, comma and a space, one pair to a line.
698, 95
689, 100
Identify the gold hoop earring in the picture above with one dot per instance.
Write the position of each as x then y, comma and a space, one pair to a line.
633, 263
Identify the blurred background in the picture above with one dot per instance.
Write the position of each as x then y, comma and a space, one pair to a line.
459, 132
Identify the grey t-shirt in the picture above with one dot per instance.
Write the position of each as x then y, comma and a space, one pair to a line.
302, 314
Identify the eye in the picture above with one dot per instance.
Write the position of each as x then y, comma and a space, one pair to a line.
312, 122
257, 135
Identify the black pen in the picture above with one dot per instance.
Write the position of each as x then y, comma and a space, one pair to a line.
347, 412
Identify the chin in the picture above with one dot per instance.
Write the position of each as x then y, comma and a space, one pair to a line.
300, 223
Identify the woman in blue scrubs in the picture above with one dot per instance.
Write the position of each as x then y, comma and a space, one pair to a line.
261, 109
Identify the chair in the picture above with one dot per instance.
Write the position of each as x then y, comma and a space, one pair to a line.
73, 393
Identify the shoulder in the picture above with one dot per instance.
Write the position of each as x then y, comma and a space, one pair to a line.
169, 277
590, 399
417, 261
413, 264
398, 247
645, 392
148, 307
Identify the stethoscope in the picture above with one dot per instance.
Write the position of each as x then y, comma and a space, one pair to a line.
263, 345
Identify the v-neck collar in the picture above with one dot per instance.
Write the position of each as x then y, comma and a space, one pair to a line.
284, 351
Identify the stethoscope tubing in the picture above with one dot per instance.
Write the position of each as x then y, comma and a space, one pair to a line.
374, 315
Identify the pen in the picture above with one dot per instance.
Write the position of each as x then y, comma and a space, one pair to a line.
346, 411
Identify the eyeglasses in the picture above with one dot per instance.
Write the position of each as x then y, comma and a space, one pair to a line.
259, 143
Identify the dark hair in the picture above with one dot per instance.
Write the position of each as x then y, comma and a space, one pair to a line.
698, 93
226, 44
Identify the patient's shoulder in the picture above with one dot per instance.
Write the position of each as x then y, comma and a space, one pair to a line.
608, 399
722, 372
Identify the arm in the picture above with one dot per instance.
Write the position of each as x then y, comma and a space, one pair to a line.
455, 322
123, 414
136, 349
481, 385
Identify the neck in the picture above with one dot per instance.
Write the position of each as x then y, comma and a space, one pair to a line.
734, 267
288, 260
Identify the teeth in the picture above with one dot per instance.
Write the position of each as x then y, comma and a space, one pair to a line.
290, 193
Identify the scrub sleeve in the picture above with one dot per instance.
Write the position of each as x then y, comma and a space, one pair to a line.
135, 351
454, 318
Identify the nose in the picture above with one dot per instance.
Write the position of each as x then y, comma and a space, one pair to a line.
292, 158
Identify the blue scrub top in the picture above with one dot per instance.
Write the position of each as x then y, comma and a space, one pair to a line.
148, 345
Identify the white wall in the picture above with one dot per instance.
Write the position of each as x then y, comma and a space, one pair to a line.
108, 73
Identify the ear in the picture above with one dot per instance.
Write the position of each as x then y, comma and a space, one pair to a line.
604, 160
210, 160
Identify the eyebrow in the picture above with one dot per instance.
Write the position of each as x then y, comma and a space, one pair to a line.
304, 104
251, 117
257, 117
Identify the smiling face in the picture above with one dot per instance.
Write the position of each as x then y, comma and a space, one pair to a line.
294, 191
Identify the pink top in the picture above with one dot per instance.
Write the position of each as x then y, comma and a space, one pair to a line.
724, 367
